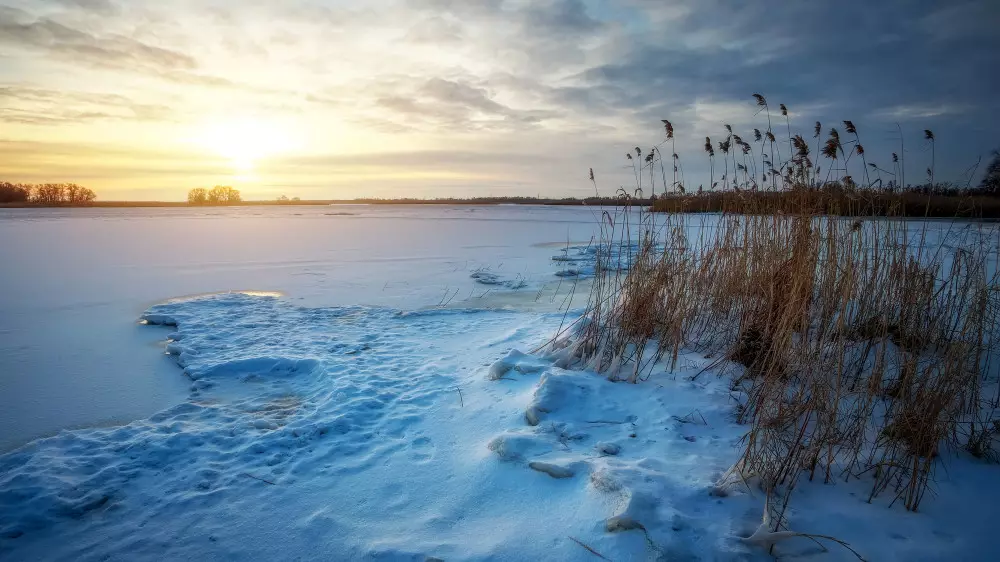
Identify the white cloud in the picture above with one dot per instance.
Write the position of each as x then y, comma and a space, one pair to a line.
919, 111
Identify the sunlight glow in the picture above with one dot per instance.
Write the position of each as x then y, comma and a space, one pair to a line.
245, 140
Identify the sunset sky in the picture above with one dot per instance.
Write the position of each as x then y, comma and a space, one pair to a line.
329, 99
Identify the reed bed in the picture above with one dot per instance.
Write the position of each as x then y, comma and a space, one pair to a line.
838, 201
859, 348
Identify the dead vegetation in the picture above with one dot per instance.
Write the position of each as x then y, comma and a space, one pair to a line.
859, 347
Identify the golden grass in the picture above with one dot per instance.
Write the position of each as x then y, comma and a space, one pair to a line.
858, 347
835, 200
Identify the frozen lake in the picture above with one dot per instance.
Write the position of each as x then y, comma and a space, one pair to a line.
75, 282
356, 417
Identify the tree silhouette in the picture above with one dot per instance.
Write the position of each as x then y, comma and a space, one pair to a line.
224, 194
46, 193
218, 195
50, 194
78, 195
198, 196
14, 192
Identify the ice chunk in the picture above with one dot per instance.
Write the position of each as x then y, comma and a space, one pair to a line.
621, 523
607, 448
510, 446
255, 366
552, 469
516, 361
555, 390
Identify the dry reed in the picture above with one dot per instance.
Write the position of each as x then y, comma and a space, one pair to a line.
859, 347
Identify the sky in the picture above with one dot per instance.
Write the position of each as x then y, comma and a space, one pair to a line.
143, 100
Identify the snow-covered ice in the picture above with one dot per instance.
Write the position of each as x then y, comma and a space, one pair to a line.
352, 431
307, 426
73, 281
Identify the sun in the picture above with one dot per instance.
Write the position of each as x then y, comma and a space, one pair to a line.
243, 141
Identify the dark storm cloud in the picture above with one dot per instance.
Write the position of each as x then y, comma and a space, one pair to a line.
852, 53
561, 16
921, 63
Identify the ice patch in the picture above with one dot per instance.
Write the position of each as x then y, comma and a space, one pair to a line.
572, 273
485, 277
581, 260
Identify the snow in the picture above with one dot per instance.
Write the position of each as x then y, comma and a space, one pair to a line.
74, 281
515, 361
352, 413
331, 424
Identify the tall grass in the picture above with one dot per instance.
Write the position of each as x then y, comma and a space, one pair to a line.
858, 347
836, 200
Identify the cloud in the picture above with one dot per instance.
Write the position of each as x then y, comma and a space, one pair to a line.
961, 21
19, 29
449, 104
40, 106
102, 7
701, 64
558, 17
415, 159
196, 79
18, 149
434, 30
113, 51
919, 111
562, 17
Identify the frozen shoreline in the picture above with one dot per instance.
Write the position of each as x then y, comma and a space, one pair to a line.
372, 433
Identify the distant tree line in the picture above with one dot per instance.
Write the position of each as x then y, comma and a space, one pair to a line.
218, 195
494, 200
46, 193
